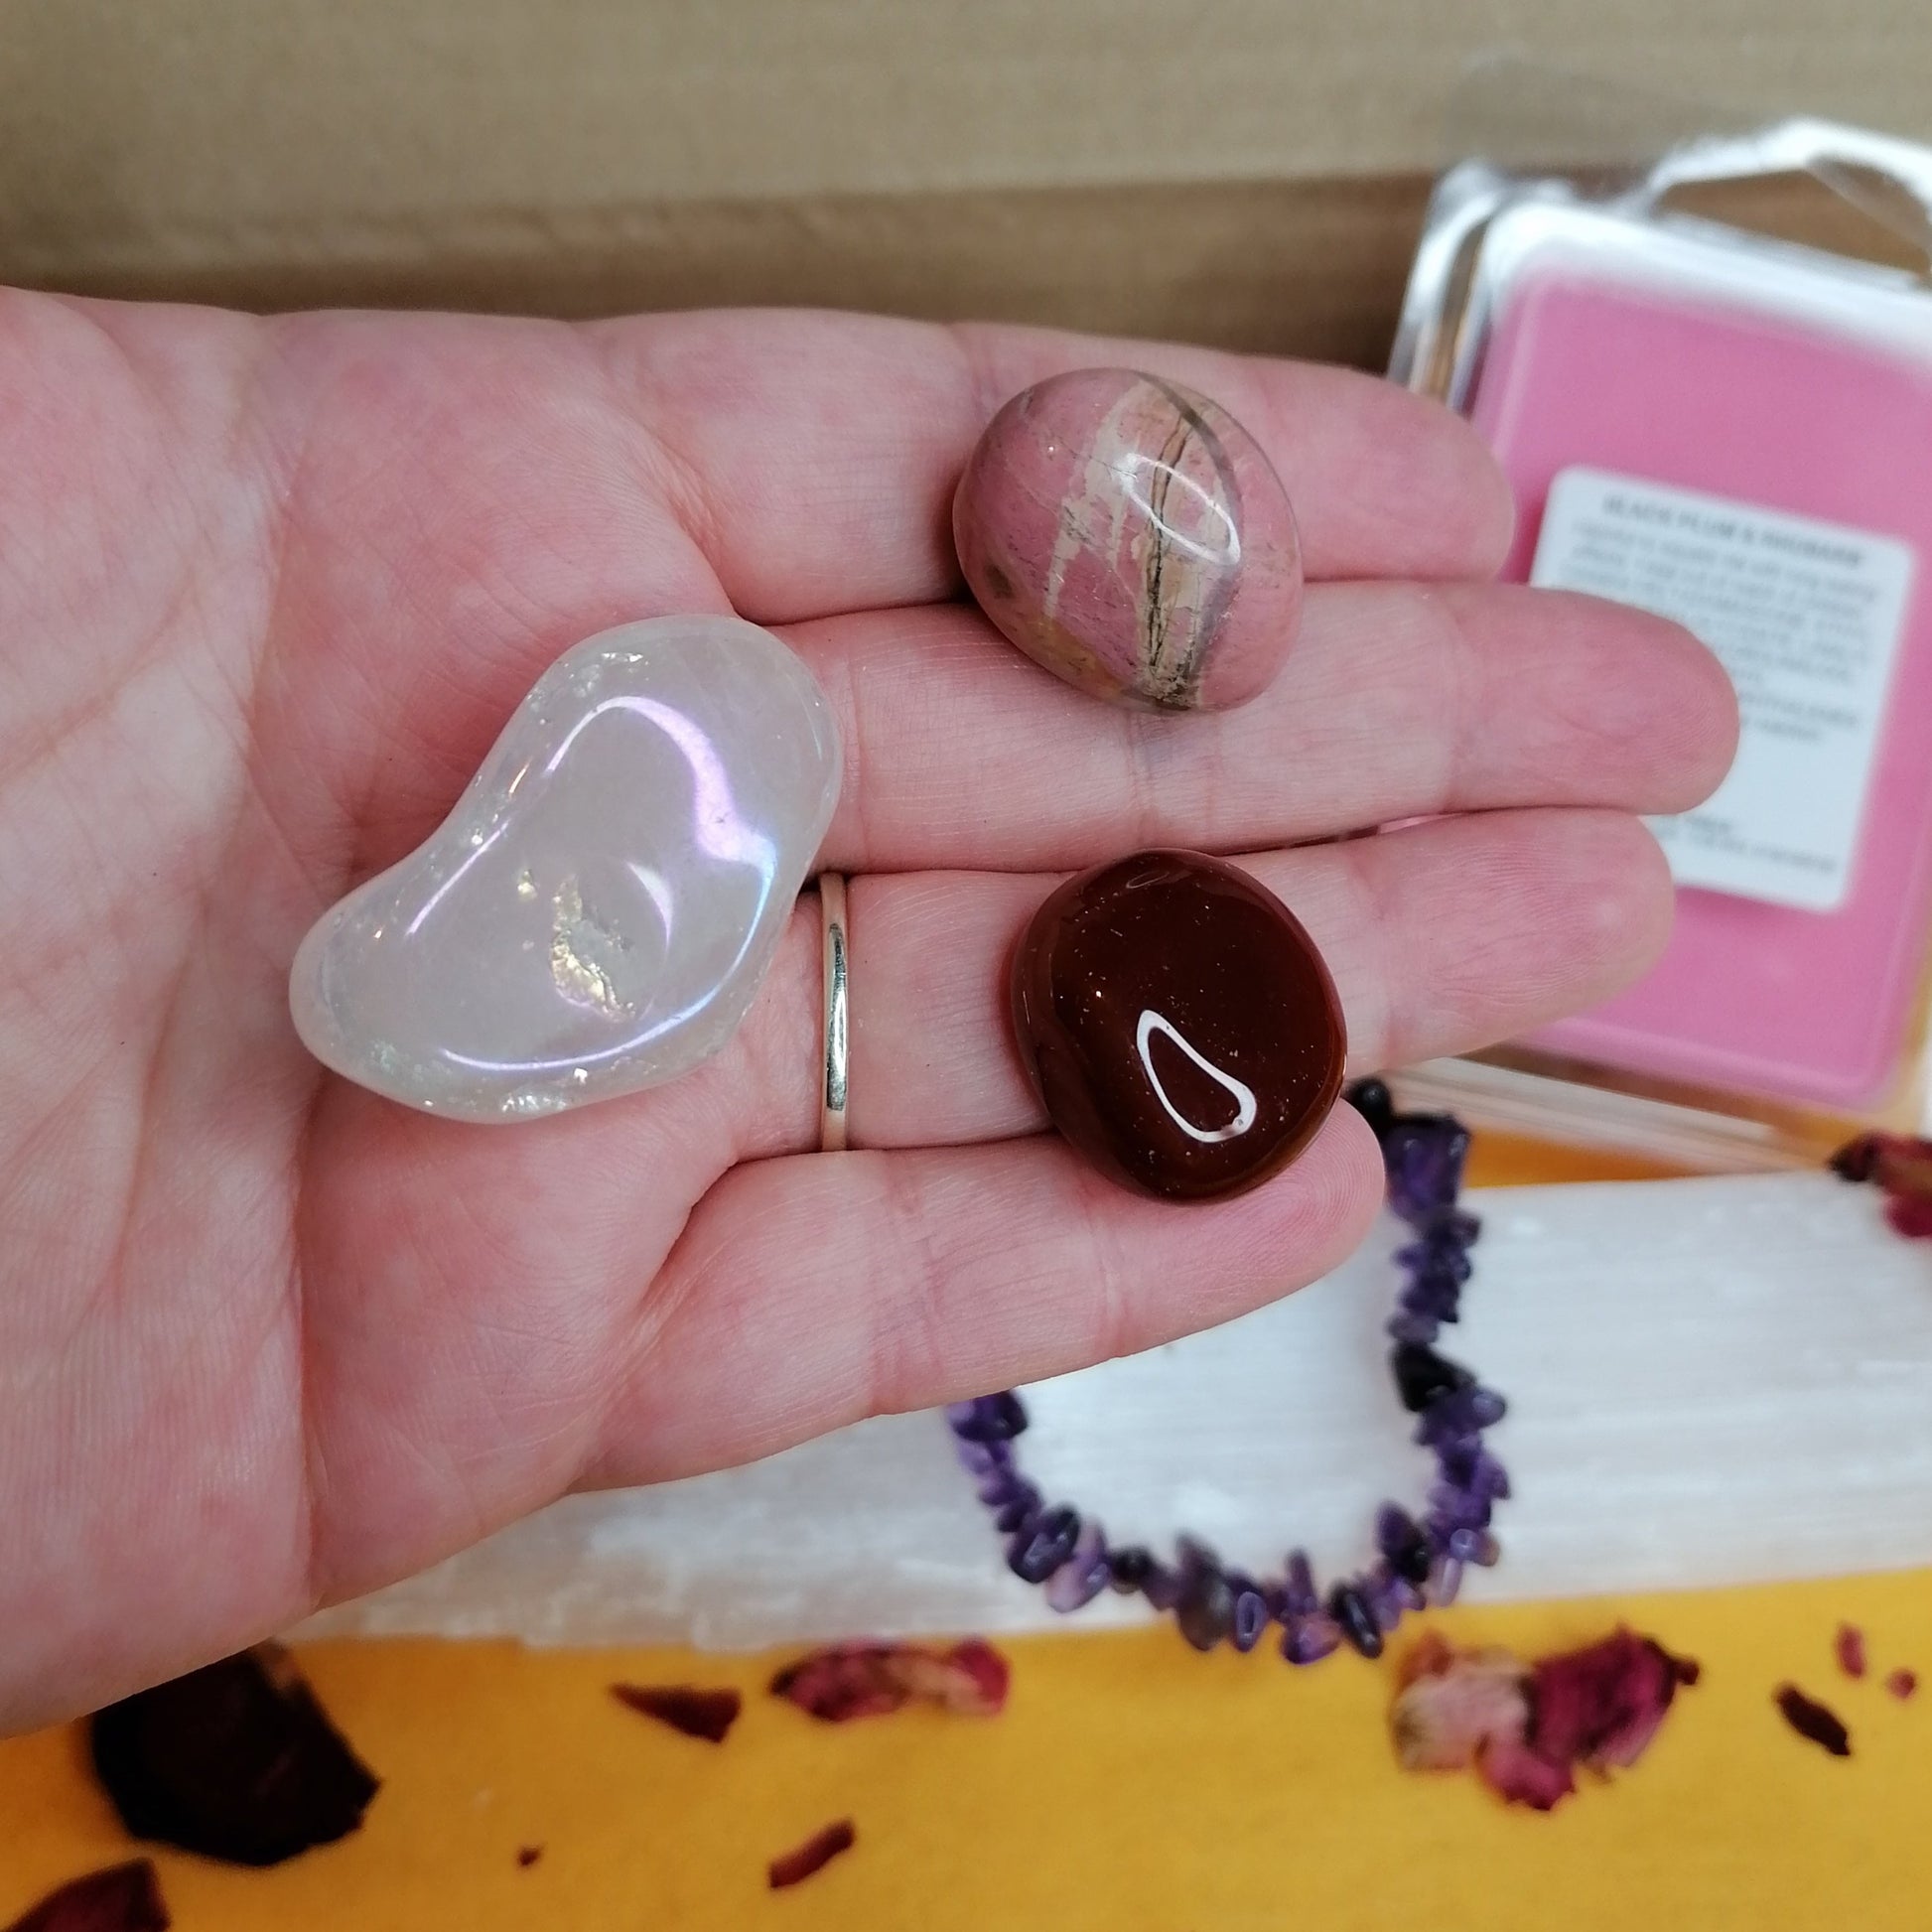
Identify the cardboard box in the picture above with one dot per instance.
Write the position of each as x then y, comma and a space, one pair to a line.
1245, 172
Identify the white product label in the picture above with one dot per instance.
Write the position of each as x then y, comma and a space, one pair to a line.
1806, 616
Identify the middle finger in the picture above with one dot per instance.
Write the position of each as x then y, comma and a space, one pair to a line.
1399, 701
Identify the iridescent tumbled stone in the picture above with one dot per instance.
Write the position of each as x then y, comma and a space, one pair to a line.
597, 912
1130, 535
1178, 1024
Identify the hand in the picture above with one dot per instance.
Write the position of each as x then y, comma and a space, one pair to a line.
269, 591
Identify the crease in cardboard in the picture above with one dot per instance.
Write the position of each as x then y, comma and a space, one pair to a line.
1312, 268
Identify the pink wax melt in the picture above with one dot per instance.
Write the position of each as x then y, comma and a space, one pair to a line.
1806, 1002
1734, 431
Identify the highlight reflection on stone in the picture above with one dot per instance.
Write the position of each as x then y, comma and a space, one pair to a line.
1178, 1024
597, 912
1131, 536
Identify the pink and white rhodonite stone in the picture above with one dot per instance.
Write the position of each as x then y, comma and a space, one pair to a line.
597, 912
1130, 536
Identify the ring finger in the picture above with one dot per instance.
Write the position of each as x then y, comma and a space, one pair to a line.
1441, 937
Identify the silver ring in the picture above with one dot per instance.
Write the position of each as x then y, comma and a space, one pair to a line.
835, 1038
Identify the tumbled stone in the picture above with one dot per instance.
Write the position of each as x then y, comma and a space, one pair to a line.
1355, 1618
1205, 1612
1178, 1024
1130, 535
597, 912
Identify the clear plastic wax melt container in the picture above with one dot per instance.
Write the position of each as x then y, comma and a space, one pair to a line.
1709, 380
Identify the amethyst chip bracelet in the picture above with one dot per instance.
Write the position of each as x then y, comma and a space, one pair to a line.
1419, 1562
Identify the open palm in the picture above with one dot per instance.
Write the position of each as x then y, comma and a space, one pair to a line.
269, 590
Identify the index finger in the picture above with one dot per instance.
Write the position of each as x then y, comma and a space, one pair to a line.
814, 456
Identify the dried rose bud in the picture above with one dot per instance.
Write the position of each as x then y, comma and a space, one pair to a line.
972, 1678
1526, 1727
870, 1680
1911, 1216
122, 1898
237, 1761
1455, 1702
707, 1715
1903, 1167
1602, 1706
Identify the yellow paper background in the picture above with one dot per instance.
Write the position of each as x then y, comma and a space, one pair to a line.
1130, 1785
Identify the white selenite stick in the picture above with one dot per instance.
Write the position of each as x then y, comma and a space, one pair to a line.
1709, 1381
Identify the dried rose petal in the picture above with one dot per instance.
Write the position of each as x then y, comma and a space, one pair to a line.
1813, 1720
1849, 1645
697, 1714
814, 1854
870, 1680
1602, 1705
236, 1761
122, 1898
1901, 1684
1455, 1702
